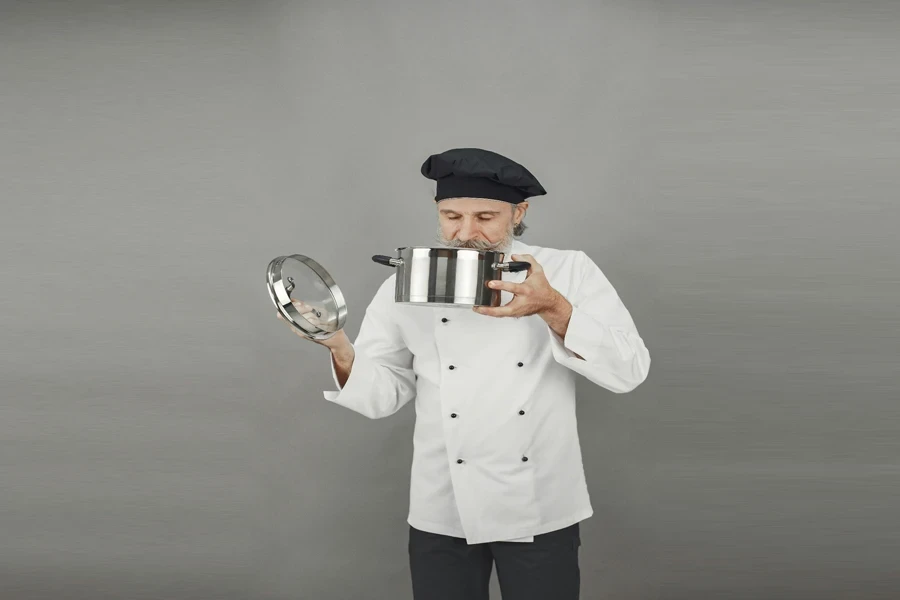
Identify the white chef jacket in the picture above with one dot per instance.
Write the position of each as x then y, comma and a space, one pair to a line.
496, 454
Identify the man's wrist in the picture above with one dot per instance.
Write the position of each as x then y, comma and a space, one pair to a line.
557, 316
342, 352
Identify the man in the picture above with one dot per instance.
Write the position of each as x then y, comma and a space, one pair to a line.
497, 476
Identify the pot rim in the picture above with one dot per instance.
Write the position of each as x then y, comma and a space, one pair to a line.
449, 249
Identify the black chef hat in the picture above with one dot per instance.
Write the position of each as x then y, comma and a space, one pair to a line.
477, 173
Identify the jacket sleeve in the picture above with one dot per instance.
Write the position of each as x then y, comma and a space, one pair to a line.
381, 379
602, 332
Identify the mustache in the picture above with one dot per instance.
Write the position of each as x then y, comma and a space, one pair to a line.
472, 244
475, 244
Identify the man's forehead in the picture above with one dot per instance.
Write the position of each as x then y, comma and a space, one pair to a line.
492, 211
472, 206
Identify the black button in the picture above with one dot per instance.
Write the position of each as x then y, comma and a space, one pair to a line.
521, 412
524, 459
459, 461
520, 364
452, 415
444, 320
452, 367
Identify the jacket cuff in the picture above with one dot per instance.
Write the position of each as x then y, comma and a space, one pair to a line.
359, 384
583, 336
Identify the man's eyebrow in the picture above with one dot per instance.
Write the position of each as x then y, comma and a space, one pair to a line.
447, 211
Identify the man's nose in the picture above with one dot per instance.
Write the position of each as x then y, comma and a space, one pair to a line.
467, 231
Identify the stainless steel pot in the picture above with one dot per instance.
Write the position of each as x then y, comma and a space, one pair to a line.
447, 276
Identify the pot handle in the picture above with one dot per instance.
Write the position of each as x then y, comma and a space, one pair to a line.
513, 266
387, 260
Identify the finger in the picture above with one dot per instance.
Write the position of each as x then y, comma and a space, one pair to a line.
301, 306
497, 311
509, 286
308, 312
529, 259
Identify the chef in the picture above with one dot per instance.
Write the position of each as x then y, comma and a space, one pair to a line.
496, 476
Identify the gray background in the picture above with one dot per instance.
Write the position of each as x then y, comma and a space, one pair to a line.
730, 166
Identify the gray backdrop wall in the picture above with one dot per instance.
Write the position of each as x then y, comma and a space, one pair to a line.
731, 166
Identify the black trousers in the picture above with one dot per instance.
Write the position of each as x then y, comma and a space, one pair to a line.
446, 568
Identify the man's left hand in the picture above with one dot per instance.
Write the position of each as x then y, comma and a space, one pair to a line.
533, 296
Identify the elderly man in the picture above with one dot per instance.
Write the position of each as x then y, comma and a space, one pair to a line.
497, 476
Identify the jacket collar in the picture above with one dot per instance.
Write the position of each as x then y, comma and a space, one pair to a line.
518, 247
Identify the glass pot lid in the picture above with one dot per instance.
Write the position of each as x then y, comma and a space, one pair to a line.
306, 296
